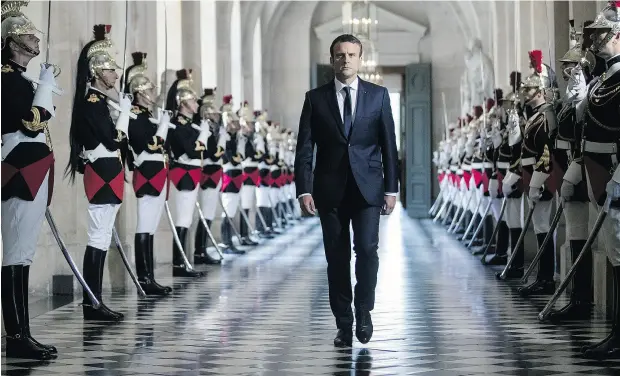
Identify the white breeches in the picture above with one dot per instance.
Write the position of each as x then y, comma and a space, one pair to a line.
248, 196
610, 232
282, 194
184, 205
496, 208
209, 200
21, 225
100, 225
576, 214
150, 209
541, 219
484, 202
274, 194
514, 213
262, 197
231, 204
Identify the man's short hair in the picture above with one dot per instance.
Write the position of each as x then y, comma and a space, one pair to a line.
342, 39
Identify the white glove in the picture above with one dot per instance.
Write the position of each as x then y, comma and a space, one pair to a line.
567, 191
613, 190
507, 189
164, 124
205, 132
45, 89
224, 137
576, 87
535, 194
493, 188
122, 123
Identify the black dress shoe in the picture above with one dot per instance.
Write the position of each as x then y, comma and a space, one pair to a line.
363, 327
572, 311
247, 241
609, 348
181, 271
497, 260
511, 274
103, 313
230, 249
344, 338
539, 287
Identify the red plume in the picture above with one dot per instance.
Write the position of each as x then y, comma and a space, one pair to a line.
227, 98
100, 31
469, 118
490, 104
536, 60
478, 111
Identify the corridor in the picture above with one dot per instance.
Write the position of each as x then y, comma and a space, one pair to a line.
438, 312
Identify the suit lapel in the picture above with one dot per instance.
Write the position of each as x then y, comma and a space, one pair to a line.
332, 101
360, 103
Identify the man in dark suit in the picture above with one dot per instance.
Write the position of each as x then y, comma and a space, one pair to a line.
355, 180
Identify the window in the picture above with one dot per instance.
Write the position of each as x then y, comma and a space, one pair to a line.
395, 104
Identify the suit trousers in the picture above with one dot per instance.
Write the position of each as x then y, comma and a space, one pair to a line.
353, 212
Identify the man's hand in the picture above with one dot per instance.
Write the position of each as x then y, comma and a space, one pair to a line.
306, 203
388, 206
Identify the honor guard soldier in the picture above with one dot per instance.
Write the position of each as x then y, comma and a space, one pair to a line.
187, 145
601, 137
148, 161
96, 142
27, 174
233, 175
509, 169
263, 206
251, 177
211, 177
568, 149
537, 149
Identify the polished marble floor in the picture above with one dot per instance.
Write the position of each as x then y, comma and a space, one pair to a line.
438, 312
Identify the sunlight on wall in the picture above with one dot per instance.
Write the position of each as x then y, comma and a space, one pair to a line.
257, 68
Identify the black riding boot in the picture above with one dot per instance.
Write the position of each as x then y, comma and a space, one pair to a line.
151, 264
516, 268
581, 296
487, 231
178, 264
501, 249
227, 239
245, 230
262, 231
544, 279
94, 262
201, 256
141, 248
609, 348
25, 283
468, 218
19, 344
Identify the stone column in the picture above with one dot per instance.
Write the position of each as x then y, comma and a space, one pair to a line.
190, 27
223, 9
208, 43
561, 26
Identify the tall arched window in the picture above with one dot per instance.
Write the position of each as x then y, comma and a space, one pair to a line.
257, 67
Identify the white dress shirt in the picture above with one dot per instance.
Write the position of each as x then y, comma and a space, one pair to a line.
340, 96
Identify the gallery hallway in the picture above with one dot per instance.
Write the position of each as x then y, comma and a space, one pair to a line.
438, 312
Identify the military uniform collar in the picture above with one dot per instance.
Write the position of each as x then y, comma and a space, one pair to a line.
139, 109
182, 119
614, 60
12, 66
93, 95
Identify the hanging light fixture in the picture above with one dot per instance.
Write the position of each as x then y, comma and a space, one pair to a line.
359, 18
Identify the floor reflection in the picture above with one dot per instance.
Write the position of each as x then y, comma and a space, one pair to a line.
438, 312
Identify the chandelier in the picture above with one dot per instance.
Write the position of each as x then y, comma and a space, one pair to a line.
359, 18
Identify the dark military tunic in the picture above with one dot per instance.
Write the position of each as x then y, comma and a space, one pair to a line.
212, 168
537, 148
149, 178
104, 177
24, 164
185, 148
233, 172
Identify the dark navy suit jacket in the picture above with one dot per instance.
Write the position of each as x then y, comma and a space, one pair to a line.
369, 151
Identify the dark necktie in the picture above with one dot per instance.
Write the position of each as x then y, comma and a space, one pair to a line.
347, 116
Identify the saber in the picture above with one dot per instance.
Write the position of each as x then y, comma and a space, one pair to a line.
443, 206
554, 224
483, 259
119, 246
125, 46
177, 241
450, 206
276, 217
513, 255
204, 223
63, 248
472, 221
247, 221
457, 216
484, 215
435, 205
455, 225
544, 314
230, 221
